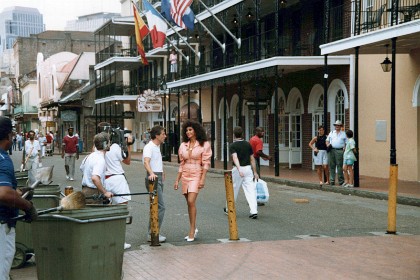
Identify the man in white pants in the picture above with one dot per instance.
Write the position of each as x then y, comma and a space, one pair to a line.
10, 201
32, 152
115, 180
244, 172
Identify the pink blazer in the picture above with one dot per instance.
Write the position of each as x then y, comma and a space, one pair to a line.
200, 156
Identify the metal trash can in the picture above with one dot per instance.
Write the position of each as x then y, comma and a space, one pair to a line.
22, 178
81, 244
44, 197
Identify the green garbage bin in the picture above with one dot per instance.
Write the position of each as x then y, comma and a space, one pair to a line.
21, 177
81, 244
44, 197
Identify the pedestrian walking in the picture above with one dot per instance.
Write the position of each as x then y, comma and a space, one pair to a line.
337, 140
14, 143
320, 155
349, 159
244, 171
194, 155
19, 141
50, 143
42, 142
70, 152
10, 201
152, 161
257, 148
32, 152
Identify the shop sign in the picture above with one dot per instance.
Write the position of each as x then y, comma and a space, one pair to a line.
149, 101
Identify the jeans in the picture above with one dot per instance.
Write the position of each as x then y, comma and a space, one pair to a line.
336, 160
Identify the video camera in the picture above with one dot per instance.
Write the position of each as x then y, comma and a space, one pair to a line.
118, 136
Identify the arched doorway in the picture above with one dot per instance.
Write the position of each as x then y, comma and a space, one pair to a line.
193, 112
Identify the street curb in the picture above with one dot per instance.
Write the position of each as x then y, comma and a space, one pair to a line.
404, 200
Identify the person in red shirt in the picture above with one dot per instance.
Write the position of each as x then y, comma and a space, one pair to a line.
257, 147
70, 153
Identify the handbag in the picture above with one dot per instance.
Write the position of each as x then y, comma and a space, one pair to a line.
262, 191
329, 148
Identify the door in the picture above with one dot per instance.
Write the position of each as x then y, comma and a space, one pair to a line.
295, 141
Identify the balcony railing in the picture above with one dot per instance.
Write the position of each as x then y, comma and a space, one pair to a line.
367, 19
25, 110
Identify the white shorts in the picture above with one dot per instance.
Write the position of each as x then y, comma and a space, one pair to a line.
7, 249
117, 184
321, 158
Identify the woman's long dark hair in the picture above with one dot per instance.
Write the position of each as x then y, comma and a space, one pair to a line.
200, 133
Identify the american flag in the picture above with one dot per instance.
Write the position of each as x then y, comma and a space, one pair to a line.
178, 9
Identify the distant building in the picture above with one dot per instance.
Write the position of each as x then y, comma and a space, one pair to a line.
89, 22
49, 43
18, 22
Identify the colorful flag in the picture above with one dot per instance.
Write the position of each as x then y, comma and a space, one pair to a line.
179, 12
157, 25
141, 32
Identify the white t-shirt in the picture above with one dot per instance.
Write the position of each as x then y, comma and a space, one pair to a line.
152, 151
113, 160
35, 150
93, 164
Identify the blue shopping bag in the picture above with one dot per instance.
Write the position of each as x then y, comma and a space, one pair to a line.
262, 191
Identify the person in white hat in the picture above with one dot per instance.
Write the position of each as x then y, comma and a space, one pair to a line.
337, 141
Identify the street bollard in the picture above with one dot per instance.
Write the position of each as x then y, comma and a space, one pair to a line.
154, 213
392, 199
233, 227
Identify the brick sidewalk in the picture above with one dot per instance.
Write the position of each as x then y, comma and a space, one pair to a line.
376, 257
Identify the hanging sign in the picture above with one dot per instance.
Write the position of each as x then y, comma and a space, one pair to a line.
149, 101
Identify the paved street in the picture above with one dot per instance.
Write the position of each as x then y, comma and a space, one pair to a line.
283, 227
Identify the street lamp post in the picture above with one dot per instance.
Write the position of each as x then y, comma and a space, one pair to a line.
166, 152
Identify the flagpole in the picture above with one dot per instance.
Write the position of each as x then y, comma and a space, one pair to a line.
178, 50
238, 40
198, 54
223, 46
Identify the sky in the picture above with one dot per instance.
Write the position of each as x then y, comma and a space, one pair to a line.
57, 12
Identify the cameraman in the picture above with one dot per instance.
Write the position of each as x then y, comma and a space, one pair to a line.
115, 180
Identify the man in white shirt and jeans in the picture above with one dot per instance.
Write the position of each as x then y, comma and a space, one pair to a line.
152, 160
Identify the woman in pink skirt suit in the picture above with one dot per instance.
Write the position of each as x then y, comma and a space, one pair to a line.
194, 154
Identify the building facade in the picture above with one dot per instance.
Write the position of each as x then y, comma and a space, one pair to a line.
19, 22
258, 64
89, 22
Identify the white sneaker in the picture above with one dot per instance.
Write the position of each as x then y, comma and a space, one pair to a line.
161, 238
127, 246
71, 179
67, 177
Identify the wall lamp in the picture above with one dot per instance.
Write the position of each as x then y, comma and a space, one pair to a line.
235, 20
386, 64
249, 15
